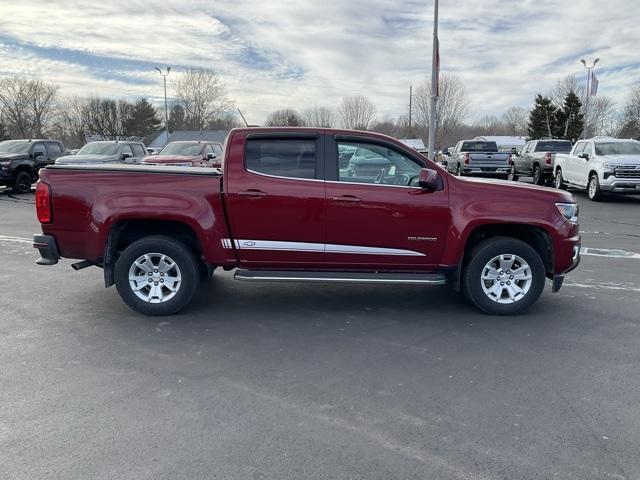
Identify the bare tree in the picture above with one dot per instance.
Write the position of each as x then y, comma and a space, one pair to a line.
284, 118
514, 121
203, 97
356, 113
108, 117
320, 116
601, 116
630, 122
563, 87
452, 107
28, 105
71, 121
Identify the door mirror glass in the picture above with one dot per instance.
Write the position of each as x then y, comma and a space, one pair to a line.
428, 179
211, 156
126, 155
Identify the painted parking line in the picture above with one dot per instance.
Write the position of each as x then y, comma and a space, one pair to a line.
5, 238
608, 252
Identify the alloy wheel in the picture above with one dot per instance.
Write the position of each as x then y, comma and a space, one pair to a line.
506, 278
155, 278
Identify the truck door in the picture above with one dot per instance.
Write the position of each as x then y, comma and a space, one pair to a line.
275, 199
573, 163
377, 216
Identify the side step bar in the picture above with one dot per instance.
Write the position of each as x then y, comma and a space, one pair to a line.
339, 277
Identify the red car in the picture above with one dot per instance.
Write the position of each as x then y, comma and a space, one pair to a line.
188, 154
307, 205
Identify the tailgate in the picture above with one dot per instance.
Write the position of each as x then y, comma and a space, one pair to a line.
489, 159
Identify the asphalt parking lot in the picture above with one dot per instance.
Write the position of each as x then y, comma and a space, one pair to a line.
264, 381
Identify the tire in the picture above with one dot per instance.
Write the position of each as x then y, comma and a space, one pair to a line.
22, 182
181, 269
558, 181
458, 171
513, 176
538, 177
494, 296
593, 188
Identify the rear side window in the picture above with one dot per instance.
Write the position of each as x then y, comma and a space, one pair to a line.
138, 151
556, 147
53, 148
293, 158
479, 147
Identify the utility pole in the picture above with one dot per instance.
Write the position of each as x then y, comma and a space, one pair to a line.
410, 106
588, 93
166, 105
434, 84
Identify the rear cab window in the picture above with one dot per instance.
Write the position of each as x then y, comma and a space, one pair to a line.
294, 158
479, 146
553, 146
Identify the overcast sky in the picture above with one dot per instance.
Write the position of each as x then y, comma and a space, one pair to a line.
274, 54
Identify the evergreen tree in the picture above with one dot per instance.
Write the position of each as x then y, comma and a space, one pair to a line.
542, 119
176, 118
569, 119
142, 119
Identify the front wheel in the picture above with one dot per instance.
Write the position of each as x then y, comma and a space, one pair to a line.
22, 182
458, 171
593, 189
513, 176
504, 276
157, 275
558, 181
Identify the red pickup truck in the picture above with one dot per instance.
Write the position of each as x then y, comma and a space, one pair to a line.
307, 205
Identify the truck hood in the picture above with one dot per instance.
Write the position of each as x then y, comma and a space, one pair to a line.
616, 160
85, 159
514, 190
171, 159
13, 156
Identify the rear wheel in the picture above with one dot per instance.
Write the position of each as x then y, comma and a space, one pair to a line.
593, 189
22, 182
458, 171
558, 181
505, 276
538, 178
157, 275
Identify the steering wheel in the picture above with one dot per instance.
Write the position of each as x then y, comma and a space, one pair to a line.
380, 176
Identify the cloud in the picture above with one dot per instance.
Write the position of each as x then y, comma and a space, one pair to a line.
301, 53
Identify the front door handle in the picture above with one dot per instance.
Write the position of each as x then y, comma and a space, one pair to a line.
346, 198
253, 193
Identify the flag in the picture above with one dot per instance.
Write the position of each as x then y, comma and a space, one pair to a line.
594, 85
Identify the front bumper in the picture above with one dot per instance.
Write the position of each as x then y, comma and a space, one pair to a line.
575, 246
620, 185
46, 245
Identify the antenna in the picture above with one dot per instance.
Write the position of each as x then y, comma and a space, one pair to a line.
243, 119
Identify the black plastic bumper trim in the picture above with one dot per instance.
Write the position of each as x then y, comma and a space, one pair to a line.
48, 249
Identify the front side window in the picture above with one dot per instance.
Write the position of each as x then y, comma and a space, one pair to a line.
137, 149
210, 150
293, 158
126, 148
579, 148
38, 149
53, 148
377, 164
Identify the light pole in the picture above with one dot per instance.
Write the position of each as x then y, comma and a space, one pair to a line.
435, 67
166, 107
588, 93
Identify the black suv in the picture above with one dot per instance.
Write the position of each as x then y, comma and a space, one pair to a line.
20, 161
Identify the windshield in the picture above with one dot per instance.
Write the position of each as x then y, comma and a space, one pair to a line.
14, 147
185, 149
99, 148
479, 147
560, 147
618, 148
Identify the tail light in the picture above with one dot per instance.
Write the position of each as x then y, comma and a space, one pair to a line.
547, 158
44, 208
466, 159
510, 160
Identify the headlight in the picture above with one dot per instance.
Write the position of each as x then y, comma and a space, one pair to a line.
568, 211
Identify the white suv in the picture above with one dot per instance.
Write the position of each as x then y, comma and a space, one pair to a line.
601, 164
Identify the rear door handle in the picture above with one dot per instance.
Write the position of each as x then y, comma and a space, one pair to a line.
346, 198
254, 193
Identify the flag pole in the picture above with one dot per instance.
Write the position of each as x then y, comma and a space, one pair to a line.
434, 85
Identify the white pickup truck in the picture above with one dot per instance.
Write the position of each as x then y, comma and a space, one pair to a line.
598, 165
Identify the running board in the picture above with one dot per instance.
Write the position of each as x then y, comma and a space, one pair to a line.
339, 277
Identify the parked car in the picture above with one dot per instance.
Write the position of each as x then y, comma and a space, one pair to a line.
106, 152
283, 210
188, 154
600, 165
20, 161
478, 157
536, 160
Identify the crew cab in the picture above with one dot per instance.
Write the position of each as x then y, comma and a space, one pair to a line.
105, 152
188, 154
307, 205
478, 157
600, 165
20, 161
536, 160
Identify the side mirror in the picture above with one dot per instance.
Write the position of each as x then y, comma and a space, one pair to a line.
447, 152
211, 156
126, 155
445, 162
428, 179
584, 155
37, 154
